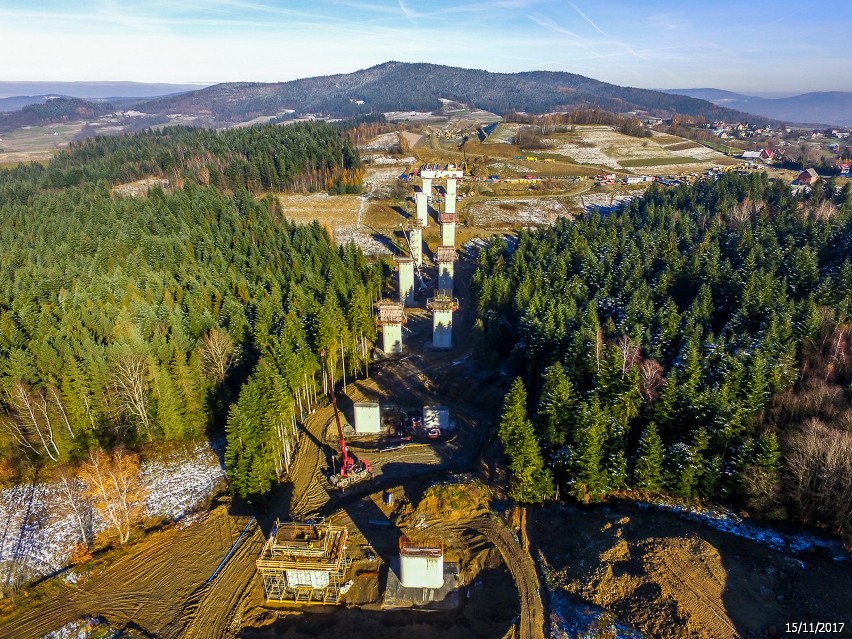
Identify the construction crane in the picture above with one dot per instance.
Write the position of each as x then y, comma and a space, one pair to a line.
465, 138
351, 470
423, 285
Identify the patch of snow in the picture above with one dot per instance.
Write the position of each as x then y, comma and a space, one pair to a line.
517, 211
82, 629
728, 522
179, 484
579, 620
382, 160
383, 142
584, 155
38, 530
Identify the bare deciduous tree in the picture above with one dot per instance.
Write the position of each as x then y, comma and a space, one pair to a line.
130, 377
650, 379
629, 353
217, 353
72, 491
819, 465
113, 485
30, 426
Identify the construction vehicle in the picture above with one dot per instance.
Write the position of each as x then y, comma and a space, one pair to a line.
352, 470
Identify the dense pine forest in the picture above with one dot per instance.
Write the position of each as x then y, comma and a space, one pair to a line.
127, 321
695, 343
308, 156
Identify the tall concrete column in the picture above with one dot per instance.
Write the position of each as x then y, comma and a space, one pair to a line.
442, 329
451, 187
392, 338
445, 277
391, 316
427, 185
448, 229
450, 203
442, 306
422, 208
445, 256
406, 280
448, 233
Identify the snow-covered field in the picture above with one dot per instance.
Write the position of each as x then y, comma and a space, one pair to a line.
38, 529
583, 154
379, 160
517, 211
604, 201
383, 142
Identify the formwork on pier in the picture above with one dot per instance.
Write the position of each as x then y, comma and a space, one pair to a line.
446, 254
389, 312
442, 302
304, 563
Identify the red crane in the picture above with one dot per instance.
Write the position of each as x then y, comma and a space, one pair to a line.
351, 470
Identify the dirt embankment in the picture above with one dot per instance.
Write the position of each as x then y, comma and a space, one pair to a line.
678, 579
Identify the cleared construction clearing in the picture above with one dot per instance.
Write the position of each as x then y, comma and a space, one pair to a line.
666, 576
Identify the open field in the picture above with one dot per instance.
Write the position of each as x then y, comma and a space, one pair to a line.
605, 147
643, 162
36, 143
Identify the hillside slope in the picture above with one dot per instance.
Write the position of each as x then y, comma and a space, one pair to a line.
399, 86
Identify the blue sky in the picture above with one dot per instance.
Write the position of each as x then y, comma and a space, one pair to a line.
747, 46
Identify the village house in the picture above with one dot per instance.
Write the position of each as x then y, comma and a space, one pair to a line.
807, 177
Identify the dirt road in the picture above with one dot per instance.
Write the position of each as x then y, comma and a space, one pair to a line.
152, 586
523, 571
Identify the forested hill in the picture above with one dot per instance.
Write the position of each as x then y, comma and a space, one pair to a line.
399, 86
126, 321
53, 111
304, 156
696, 343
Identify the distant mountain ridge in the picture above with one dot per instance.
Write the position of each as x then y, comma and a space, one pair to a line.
400, 86
829, 108
94, 90
17, 95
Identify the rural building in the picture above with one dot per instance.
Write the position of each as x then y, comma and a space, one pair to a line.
807, 177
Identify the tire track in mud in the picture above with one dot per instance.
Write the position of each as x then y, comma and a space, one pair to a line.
681, 569
523, 571
149, 587
215, 608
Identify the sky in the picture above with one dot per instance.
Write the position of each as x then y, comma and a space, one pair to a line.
755, 47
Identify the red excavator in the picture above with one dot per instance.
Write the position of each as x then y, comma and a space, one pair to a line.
352, 470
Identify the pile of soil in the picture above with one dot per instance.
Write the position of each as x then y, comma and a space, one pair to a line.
673, 578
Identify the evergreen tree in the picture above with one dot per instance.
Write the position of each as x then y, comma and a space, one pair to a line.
648, 472
531, 482
556, 406
590, 481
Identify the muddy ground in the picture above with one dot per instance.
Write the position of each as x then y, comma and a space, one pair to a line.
673, 578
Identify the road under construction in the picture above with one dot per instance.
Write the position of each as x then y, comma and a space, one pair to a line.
202, 580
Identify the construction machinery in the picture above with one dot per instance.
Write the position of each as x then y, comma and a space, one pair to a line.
351, 470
